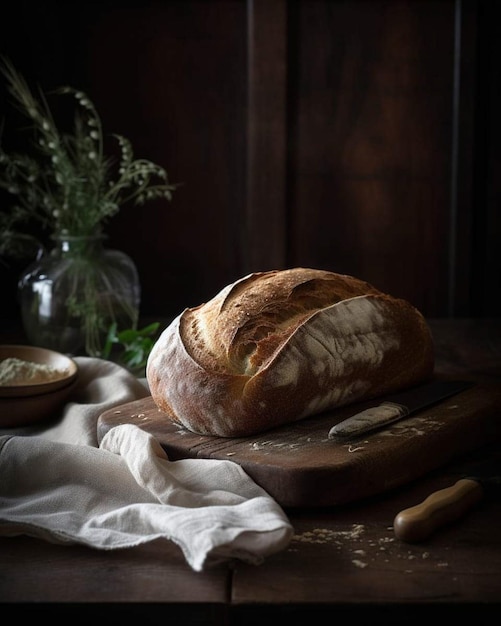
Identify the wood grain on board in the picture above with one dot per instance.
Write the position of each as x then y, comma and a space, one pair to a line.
300, 466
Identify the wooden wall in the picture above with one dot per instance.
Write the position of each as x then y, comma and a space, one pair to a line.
357, 136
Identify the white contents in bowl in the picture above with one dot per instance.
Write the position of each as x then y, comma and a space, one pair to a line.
14, 371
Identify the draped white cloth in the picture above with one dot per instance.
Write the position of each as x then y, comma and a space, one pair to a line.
58, 484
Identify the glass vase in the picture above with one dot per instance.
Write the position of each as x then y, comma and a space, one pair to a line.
71, 296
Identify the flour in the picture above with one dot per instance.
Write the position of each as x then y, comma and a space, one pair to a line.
15, 371
363, 549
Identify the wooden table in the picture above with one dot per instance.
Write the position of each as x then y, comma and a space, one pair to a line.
344, 563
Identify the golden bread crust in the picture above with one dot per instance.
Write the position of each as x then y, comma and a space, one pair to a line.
275, 347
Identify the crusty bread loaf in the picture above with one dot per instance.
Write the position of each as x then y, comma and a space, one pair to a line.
279, 346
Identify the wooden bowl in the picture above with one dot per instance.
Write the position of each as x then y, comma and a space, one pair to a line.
24, 401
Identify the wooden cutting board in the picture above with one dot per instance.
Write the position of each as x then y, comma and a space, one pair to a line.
299, 466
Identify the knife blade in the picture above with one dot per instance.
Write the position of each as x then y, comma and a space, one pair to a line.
447, 505
397, 406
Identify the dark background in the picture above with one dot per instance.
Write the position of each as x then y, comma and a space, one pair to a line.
357, 136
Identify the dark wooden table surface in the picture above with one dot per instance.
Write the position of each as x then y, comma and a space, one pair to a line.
344, 563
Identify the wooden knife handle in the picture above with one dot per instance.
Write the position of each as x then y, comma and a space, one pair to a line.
369, 419
440, 508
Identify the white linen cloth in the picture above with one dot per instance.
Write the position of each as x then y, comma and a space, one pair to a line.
56, 483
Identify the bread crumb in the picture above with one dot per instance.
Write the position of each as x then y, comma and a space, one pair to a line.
360, 549
324, 535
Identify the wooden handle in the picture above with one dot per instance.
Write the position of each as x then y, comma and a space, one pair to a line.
369, 419
440, 508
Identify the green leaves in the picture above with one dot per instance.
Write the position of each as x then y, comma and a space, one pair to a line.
67, 184
134, 346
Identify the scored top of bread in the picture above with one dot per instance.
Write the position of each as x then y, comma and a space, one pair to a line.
275, 347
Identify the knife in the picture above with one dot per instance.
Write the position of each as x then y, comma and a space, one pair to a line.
396, 407
446, 505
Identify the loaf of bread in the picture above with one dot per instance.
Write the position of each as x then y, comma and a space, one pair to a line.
279, 346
